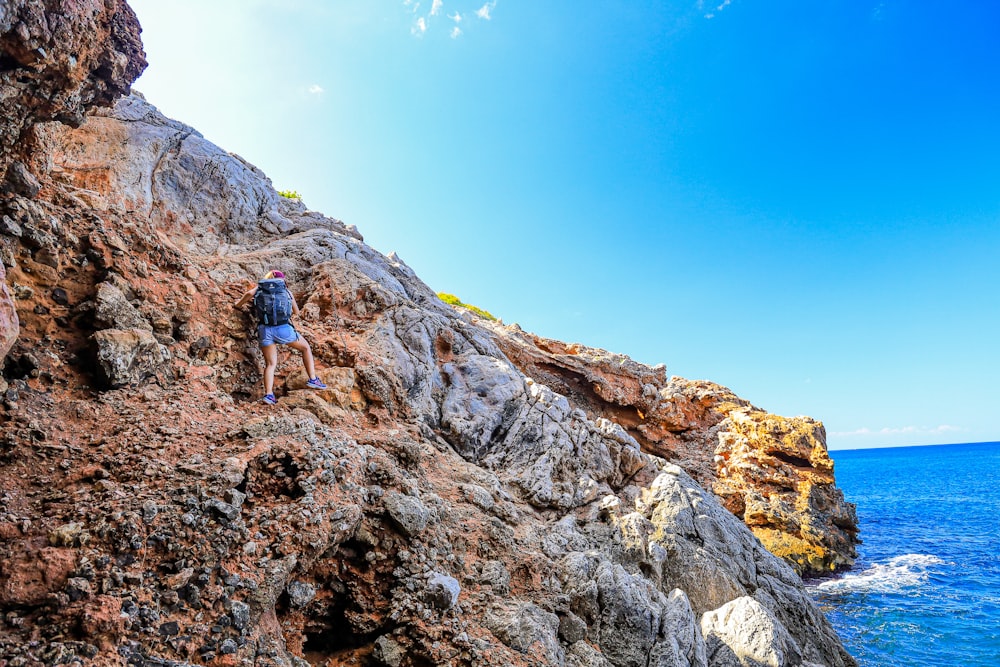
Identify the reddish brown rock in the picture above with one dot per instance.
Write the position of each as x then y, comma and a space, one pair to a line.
60, 61
30, 577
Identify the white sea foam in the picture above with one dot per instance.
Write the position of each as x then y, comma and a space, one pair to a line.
898, 574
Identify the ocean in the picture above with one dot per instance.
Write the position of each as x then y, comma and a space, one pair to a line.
926, 587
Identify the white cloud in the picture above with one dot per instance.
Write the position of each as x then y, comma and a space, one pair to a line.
902, 430
456, 17
484, 11
718, 8
455, 32
315, 89
420, 27
436, 7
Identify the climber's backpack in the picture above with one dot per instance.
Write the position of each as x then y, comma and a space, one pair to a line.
273, 302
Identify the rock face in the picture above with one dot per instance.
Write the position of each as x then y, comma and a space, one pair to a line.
55, 64
56, 61
434, 506
773, 472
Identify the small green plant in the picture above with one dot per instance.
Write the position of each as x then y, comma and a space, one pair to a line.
453, 300
290, 194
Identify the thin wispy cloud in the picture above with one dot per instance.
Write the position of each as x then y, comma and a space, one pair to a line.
315, 89
484, 11
427, 21
712, 12
903, 430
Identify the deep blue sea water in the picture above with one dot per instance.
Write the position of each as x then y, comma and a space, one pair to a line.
926, 588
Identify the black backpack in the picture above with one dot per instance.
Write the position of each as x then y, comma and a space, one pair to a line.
273, 302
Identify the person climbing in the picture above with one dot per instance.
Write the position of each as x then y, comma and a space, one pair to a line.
274, 306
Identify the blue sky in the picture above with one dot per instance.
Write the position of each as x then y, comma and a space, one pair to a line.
800, 201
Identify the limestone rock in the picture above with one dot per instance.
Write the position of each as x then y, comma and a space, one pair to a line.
9, 323
743, 633
20, 181
804, 517
388, 651
113, 310
528, 630
129, 356
200, 197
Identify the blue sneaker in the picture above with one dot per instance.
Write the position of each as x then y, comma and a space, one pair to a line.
270, 399
315, 383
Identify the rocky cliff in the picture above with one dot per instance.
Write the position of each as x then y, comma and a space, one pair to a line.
436, 505
773, 472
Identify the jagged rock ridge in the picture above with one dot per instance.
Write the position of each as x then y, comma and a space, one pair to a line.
434, 506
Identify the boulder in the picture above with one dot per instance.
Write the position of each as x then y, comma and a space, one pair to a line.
407, 512
743, 633
113, 310
442, 591
129, 356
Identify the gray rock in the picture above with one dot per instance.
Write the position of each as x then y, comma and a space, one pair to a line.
21, 181
572, 628
222, 510
407, 512
240, 613
113, 311
528, 628
442, 591
129, 356
300, 593
9, 322
149, 511
495, 574
233, 471
276, 576
631, 612
388, 651
234, 497
743, 633
582, 654
9, 227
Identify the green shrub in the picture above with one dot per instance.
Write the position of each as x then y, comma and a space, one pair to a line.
290, 194
453, 300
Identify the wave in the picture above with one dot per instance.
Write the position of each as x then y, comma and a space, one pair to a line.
898, 574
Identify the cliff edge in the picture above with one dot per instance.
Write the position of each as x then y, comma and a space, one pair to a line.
773, 472
435, 505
